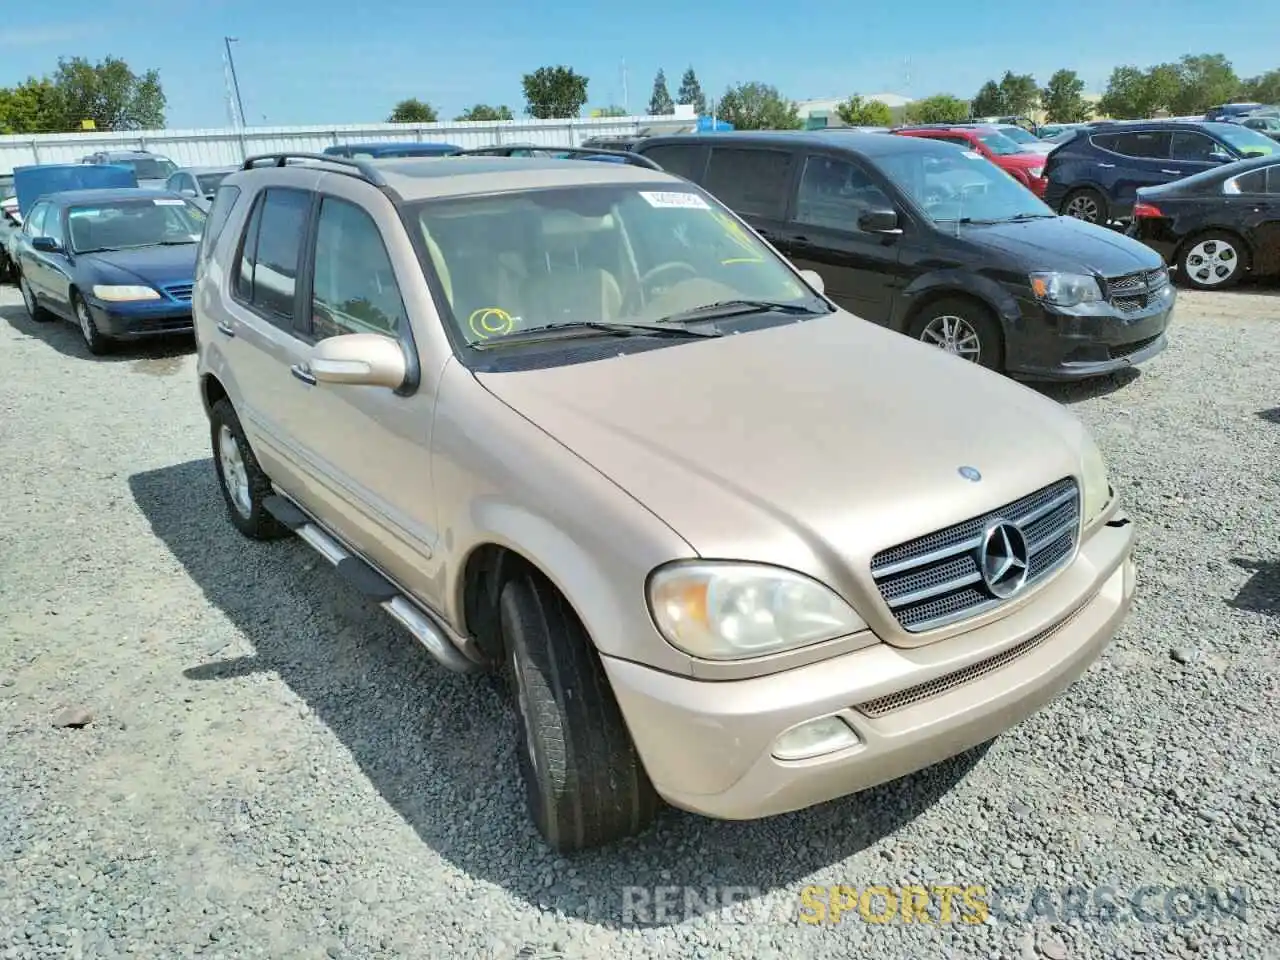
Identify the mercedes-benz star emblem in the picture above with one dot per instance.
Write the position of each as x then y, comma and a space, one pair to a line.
970, 473
1002, 559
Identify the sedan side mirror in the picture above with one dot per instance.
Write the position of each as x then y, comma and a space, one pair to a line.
879, 220
44, 244
360, 359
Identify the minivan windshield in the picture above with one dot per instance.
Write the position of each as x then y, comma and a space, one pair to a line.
1246, 142
961, 185
599, 254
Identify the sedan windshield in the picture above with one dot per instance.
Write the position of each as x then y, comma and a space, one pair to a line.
129, 224
999, 144
960, 185
1018, 135
149, 169
1246, 142
590, 255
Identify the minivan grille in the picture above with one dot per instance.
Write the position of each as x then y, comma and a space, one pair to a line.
1133, 291
937, 580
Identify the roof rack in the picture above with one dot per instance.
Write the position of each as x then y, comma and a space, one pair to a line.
628, 156
355, 168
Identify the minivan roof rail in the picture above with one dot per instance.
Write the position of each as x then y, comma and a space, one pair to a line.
355, 168
629, 156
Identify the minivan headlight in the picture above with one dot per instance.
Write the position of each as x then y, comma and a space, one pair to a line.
722, 610
1097, 485
1066, 289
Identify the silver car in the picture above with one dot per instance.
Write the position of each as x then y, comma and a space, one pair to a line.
198, 184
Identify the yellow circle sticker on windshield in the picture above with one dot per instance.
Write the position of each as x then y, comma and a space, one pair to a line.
490, 322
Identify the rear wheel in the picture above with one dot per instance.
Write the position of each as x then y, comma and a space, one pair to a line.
1213, 261
583, 779
962, 327
1086, 204
93, 337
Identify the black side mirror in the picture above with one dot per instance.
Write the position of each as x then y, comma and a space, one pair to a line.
879, 220
44, 244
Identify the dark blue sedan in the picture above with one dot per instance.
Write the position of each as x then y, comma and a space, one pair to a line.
118, 263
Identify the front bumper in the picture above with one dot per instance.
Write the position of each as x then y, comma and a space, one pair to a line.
1047, 343
707, 746
136, 321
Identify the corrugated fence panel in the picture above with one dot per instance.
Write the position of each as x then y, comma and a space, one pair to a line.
220, 147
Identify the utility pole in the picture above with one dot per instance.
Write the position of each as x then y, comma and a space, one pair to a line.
626, 104
235, 83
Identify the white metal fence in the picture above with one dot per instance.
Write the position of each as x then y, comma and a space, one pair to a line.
221, 147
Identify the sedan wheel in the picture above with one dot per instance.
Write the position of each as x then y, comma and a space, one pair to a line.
1213, 262
93, 338
34, 310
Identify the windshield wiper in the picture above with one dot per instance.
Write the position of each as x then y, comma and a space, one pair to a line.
731, 308
591, 328
1018, 218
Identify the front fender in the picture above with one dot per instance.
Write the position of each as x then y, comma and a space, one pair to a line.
963, 282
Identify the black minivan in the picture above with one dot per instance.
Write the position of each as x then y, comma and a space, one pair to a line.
936, 242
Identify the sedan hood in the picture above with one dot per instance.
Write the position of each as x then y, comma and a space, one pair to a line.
1066, 244
154, 266
809, 445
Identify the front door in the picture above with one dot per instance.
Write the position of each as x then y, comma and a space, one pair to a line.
1190, 152
859, 269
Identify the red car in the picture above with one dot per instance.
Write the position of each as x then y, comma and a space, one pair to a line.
1005, 153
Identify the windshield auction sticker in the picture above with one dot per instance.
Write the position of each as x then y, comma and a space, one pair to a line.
689, 201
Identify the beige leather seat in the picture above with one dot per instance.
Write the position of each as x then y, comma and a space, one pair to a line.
564, 285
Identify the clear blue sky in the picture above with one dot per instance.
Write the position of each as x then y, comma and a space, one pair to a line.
324, 61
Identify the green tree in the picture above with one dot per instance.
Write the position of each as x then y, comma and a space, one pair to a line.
939, 108
1205, 79
660, 102
108, 93
413, 110
1264, 88
554, 92
1019, 92
30, 107
758, 106
1063, 98
1128, 95
1164, 86
690, 92
482, 111
857, 112
989, 101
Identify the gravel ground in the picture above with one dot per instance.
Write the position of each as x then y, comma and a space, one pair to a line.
271, 769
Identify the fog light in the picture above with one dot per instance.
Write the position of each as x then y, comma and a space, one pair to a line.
815, 738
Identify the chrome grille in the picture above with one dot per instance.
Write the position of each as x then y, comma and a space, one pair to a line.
935, 580
179, 291
1133, 291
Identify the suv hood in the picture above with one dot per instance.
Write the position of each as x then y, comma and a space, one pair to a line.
1064, 243
810, 445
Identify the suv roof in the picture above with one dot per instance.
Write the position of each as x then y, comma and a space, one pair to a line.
870, 144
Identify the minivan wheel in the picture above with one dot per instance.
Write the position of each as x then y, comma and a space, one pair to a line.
584, 783
244, 485
36, 312
93, 338
1086, 204
1213, 261
961, 327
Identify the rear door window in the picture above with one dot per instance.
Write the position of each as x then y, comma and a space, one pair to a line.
749, 181
1265, 181
267, 274
688, 160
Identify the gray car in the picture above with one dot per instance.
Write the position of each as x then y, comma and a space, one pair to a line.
151, 169
198, 184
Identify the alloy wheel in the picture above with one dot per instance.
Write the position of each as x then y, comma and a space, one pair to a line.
954, 335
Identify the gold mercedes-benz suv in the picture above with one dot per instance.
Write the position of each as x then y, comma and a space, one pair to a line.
732, 547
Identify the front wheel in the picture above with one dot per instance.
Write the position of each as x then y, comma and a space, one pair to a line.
584, 783
244, 485
960, 327
1213, 261
93, 337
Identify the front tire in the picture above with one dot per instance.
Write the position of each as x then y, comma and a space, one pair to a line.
244, 486
584, 782
1216, 260
94, 339
961, 327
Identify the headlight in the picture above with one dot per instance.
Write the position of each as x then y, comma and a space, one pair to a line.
1036, 172
1097, 486
117, 294
1066, 289
730, 611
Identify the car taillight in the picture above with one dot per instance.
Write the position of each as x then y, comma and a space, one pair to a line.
1147, 210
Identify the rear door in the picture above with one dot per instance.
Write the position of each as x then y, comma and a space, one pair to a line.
756, 183
1254, 204
1129, 160
859, 269
688, 160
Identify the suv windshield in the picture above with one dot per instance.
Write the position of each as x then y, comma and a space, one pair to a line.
589, 254
128, 224
1246, 142
147, 168
998, 143
960, 185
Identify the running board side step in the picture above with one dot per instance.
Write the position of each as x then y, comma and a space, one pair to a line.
372, 584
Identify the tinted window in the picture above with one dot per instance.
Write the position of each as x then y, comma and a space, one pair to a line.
1266, 180
683, 159
35, 220
223, 201
1153, 145
834, 192
267, 275
751, 182
354, 290
1188, 145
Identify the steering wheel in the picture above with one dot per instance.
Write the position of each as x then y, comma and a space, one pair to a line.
642, 293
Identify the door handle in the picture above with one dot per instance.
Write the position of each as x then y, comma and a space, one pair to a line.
1172, 172
1107, 166
302, 373
225, 328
